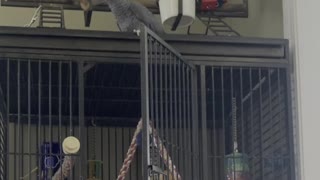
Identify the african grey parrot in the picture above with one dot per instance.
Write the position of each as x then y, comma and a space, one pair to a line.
129, 14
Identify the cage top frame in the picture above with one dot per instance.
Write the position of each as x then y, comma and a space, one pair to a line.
120, 47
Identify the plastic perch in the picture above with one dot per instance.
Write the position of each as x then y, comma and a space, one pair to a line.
70, 146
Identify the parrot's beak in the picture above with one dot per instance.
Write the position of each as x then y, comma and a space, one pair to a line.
86, 5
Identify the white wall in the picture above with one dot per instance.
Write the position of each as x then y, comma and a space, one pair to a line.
265, 19
302, 29
10, 16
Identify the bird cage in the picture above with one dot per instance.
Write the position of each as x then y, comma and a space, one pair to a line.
144, 93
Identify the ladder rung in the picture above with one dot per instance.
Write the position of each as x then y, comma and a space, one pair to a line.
52, 13
44, 12
210, 19
51, 22
52, 8
51, 17
217, 25
221, 29
225, 31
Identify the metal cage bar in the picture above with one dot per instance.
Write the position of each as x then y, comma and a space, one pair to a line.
264, 137
166, 80
3, 136
33, 91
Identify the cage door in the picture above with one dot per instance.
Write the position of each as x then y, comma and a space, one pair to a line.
169, 130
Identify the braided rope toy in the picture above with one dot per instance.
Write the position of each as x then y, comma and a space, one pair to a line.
165, 155
132, 149
130, 154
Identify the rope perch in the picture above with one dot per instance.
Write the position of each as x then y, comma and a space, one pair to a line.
130, 154
165, 155
132, 149
70, 145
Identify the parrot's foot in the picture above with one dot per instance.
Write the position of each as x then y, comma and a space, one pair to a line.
137, 31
